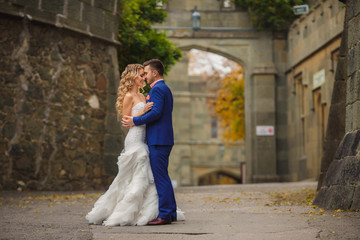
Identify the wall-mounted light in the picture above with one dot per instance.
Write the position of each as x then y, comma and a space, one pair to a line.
196, 19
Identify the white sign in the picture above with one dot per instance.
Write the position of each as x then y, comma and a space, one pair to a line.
265, 131
319, 78
301, 9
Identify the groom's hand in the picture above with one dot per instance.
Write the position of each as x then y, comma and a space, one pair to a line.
127, 121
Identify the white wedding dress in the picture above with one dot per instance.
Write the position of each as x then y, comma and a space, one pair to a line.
131, 198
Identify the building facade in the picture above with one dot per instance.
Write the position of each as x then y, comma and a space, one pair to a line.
288, 87
313, 51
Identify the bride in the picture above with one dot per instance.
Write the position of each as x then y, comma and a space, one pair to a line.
131, 198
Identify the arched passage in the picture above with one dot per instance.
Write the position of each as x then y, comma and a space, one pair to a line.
198, 142
216, 51
218, 177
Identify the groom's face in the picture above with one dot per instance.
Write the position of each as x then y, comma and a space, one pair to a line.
149, 74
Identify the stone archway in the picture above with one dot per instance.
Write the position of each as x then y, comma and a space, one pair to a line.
195, 148
220, 176
261, 54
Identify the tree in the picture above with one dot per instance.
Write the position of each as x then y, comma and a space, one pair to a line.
139, 42
229, 105
270, 14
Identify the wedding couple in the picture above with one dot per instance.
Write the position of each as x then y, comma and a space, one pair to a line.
142, 192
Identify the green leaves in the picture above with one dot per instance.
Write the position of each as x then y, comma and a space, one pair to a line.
270, 14
139, 42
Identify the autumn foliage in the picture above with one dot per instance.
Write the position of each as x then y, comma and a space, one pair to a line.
229, 105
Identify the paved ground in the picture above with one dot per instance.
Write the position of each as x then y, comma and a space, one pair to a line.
252, 211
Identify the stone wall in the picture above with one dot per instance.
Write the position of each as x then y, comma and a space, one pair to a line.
341, 187
58, 128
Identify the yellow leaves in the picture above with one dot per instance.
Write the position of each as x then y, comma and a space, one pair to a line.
229, 105
303, 197
338, 210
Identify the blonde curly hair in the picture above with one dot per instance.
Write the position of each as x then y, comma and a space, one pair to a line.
127, 81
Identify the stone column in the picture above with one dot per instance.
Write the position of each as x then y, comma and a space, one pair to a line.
263, 162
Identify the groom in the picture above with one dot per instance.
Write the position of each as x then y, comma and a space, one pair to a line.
160, 138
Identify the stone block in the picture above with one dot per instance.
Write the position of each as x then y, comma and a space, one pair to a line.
73, 24
353, 32
264, 105
349, 145
356, 112
339, 91
351, 170
282, 167
110, 164
113, 144
113, 126
101, 83
349, 118
341, 69
53, 6
339, 197
88, 2
353, 88
334, 175
111, 22
78, 168
321, 197
105, 5
351, 63
111, 84
336, 129
9, 130
111, 100
356, 200
264, 118
354, 8
94, 17
33, 3
73, 10
100, 32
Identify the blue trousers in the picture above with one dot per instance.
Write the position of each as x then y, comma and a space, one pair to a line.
159, 161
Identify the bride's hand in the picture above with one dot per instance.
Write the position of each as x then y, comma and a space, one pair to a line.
148, 107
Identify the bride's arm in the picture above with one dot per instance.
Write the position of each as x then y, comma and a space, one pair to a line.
127, 105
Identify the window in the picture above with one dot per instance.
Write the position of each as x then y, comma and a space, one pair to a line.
213, 128
159, 4
226, 3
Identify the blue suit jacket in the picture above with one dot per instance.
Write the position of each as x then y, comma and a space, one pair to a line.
159, 128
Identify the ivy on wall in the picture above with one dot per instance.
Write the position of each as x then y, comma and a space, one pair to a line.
270, 14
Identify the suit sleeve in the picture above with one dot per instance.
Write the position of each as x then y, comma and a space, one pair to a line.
158, 99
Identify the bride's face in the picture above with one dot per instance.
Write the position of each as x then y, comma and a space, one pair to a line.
140, 79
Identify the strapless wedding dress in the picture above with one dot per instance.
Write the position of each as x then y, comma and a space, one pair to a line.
131, 198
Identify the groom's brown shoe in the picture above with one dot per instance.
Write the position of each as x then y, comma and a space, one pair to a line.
159, 221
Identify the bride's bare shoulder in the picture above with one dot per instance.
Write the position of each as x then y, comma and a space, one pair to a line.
128, 100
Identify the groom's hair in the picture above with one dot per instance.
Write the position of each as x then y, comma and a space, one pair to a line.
155, 64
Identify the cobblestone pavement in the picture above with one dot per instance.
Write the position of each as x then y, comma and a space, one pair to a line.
250, 211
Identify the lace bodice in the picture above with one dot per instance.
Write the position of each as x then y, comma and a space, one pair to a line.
136, 134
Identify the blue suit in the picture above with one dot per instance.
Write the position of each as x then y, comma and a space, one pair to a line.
160, 139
